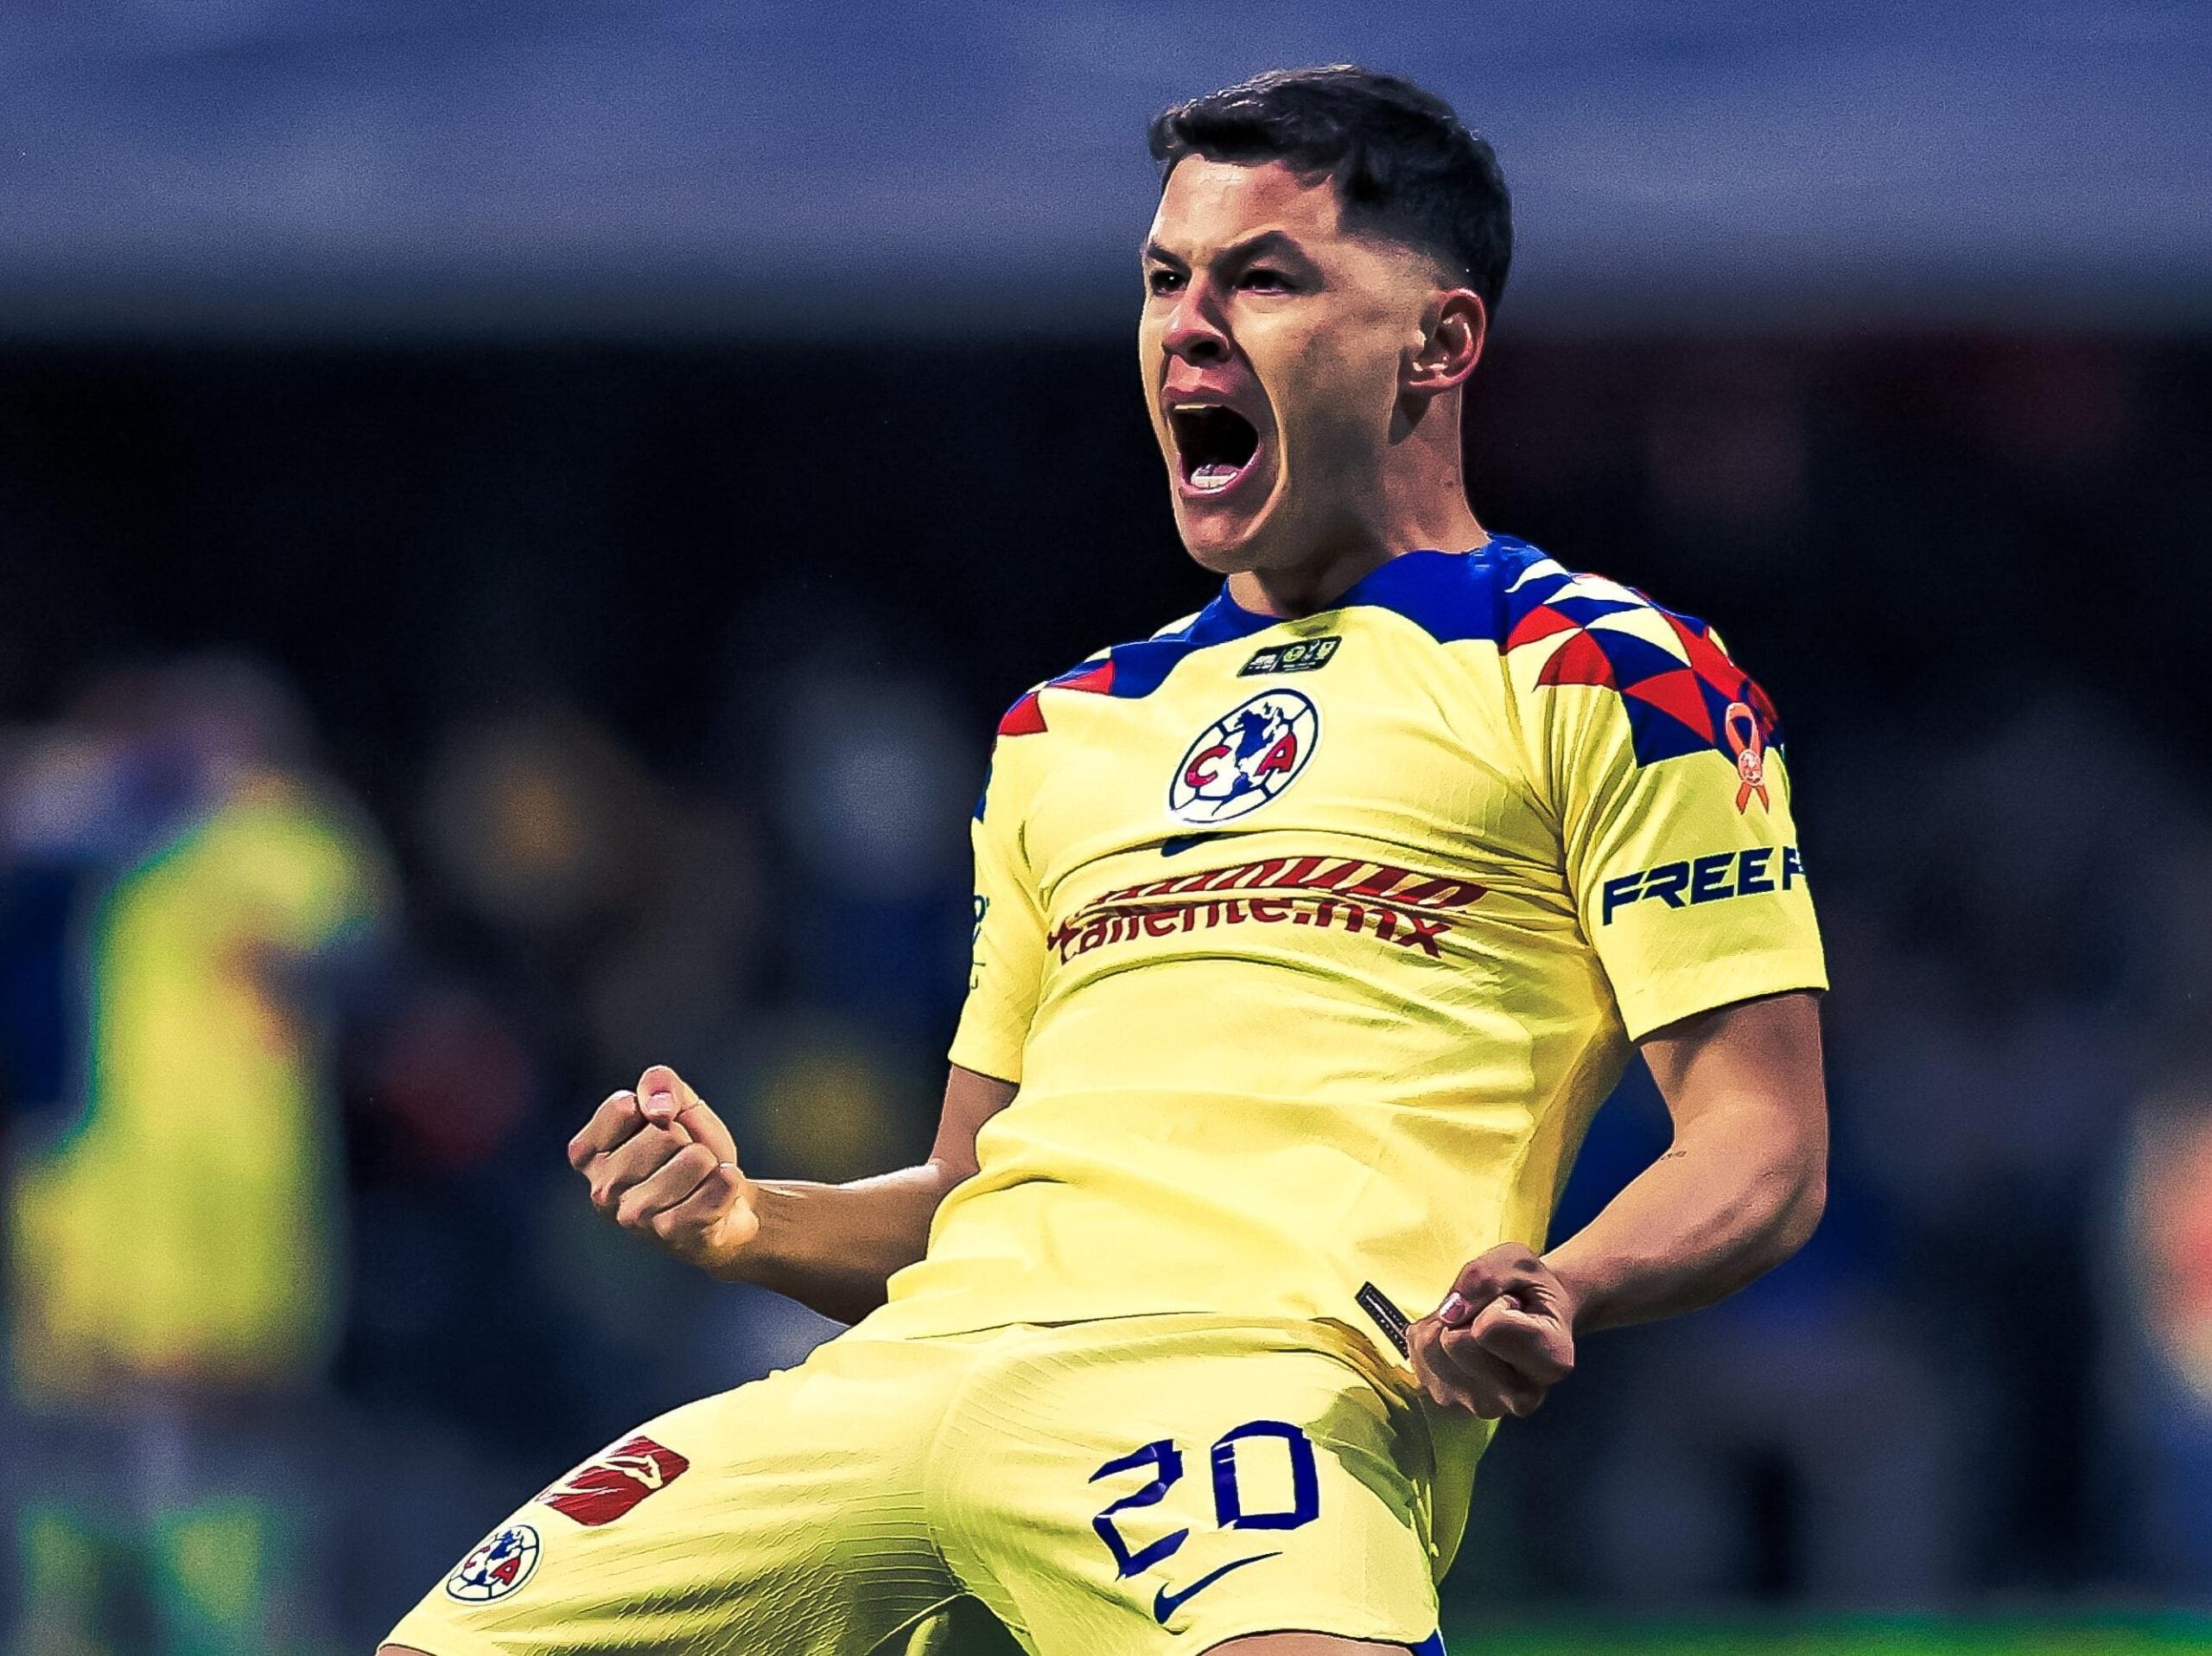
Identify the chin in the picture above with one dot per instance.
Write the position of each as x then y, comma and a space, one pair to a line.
1228, 541
1221, 554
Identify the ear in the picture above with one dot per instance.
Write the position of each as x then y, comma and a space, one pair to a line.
1452, 331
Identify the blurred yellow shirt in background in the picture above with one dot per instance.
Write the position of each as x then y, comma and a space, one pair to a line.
185, 1230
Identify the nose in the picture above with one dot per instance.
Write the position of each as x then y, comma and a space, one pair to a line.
1194, 330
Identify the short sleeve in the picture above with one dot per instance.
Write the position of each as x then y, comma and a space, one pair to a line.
1007, 962
1665, 769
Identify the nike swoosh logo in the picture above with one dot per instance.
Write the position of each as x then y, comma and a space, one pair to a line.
1176, 845
1164, 1604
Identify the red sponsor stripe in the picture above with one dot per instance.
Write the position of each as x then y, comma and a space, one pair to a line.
611, 1483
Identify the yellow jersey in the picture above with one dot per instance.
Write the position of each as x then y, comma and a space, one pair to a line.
1314, 943
183, 1230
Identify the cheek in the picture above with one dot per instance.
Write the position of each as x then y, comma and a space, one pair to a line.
1342, 389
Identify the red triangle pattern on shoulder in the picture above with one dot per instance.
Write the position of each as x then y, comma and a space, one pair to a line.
1024, 718
1677, 690
1580, 660
1096, 677
1540, 623
1710, 660
1676, 693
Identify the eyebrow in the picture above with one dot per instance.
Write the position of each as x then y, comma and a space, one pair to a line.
1268, 241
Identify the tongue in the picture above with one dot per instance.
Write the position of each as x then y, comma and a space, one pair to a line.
1215, 473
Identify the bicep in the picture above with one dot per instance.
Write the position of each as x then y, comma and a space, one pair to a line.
1757, 1062
970, 1099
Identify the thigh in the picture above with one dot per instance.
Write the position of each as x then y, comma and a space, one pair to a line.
1138, 1489
783, 1517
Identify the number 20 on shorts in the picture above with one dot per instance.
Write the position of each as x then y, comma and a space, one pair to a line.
1231, 1509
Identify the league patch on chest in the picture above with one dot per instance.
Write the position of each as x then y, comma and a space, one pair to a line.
1300, 655
1244, 759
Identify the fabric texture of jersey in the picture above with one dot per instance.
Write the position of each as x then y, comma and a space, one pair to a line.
1314, 945
1165, 1483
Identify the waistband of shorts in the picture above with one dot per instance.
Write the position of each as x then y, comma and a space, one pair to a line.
1324, 1336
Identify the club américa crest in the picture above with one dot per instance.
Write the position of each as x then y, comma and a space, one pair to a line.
501, 1563
1244, 758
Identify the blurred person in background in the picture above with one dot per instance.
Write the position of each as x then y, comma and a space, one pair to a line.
1193, 1103
184, 907
2157, 1377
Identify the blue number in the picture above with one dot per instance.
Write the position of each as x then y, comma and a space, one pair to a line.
1167, 1461
1305, 1478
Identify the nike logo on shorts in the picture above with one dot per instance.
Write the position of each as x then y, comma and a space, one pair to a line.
1164, 1604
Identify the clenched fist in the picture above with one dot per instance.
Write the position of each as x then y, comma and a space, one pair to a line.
1503, 1338
661, 1163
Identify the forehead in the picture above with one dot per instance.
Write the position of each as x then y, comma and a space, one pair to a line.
1212, 204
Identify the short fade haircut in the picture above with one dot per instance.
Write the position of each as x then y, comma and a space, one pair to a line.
1404, 163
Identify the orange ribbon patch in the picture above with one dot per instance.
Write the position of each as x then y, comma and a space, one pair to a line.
1741, 727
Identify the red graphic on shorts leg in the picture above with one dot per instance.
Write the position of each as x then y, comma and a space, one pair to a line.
610, 1484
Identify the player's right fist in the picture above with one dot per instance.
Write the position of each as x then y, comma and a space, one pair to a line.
661, 1163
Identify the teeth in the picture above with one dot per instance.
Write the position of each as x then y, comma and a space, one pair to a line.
1215, 473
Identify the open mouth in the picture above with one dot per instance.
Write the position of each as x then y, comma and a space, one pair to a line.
1215, 445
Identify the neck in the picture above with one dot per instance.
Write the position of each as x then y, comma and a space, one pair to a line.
1315, 579
1419, 501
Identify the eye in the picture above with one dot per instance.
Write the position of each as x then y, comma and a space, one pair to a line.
1161, 280
1263, 279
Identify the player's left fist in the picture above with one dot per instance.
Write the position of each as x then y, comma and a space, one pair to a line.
1503, 1338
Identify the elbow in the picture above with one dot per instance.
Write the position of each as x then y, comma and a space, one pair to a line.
1803, 1216
1798, 1214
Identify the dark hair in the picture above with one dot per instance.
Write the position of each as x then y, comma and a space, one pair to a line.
1402, 160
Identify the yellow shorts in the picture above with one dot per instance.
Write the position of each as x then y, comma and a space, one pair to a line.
1137, 1484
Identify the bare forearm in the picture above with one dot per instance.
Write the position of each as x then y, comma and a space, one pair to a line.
1731, 1200
832, 1247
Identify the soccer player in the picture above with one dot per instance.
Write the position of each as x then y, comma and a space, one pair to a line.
1309, 933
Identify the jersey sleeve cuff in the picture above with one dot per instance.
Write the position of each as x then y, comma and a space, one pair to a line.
981, 1052
1654, 1000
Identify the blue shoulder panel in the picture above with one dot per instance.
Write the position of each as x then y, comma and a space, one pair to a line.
1453, 595
1449, 595
1140, 668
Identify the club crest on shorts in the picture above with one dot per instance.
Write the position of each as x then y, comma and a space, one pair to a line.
1245, 758
500, 1566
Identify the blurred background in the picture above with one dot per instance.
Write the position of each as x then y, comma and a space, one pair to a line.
515, 526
